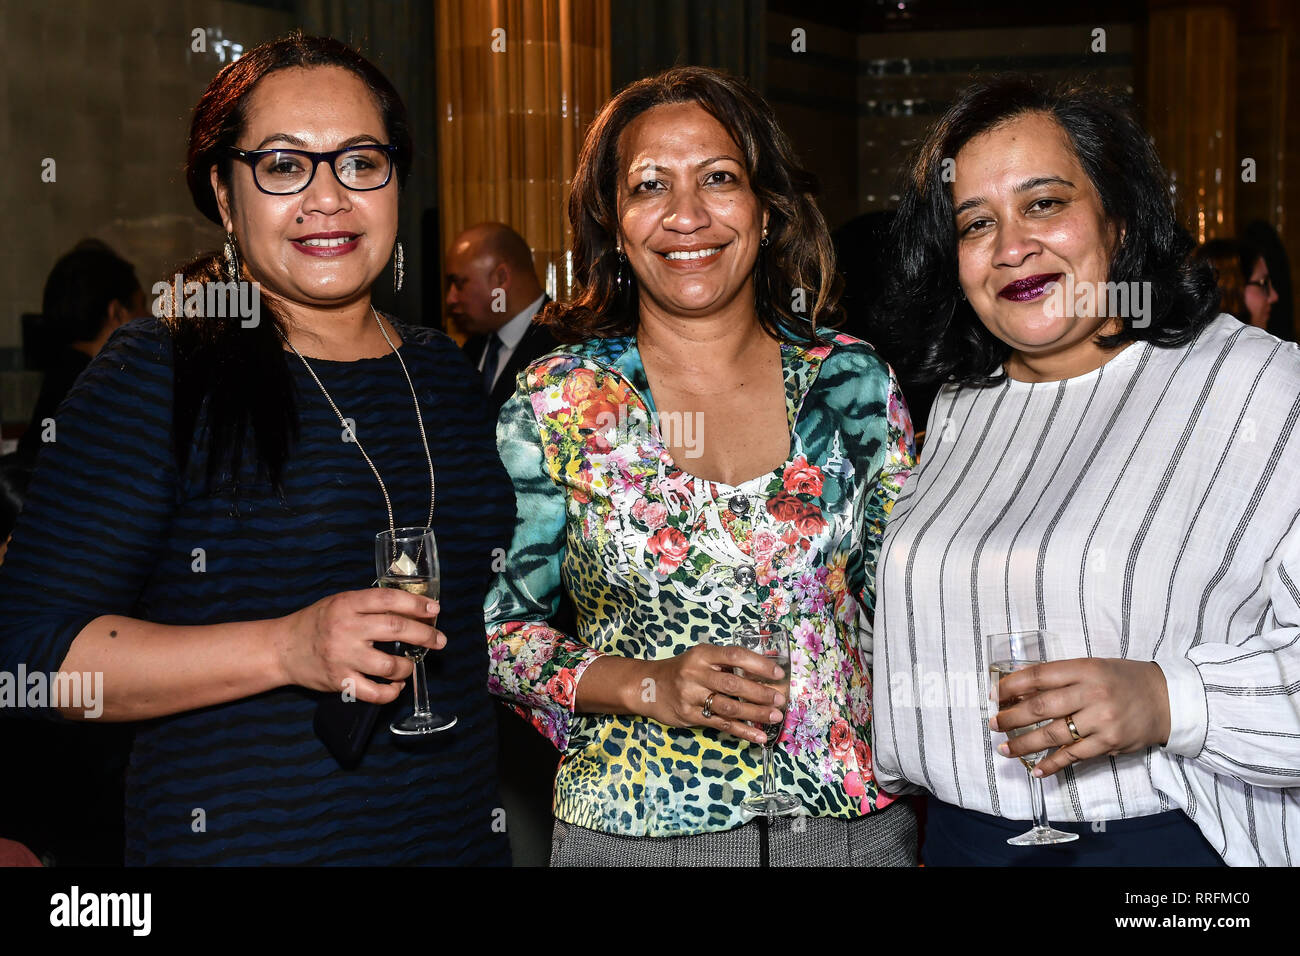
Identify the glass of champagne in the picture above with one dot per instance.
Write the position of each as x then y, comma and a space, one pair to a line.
772, 642
407, 558
1008, 653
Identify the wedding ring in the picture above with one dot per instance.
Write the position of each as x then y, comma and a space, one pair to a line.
708, 705
1074, 731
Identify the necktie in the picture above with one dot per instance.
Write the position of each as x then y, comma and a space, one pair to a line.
490, 362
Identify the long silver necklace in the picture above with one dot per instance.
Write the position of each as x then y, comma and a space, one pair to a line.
388, 503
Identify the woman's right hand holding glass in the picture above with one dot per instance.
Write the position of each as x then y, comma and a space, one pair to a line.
679, 688
326, 644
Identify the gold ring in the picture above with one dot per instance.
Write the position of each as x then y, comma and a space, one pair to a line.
708, 705
1074, 731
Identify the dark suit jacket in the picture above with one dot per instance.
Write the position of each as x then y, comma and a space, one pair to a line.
537, 341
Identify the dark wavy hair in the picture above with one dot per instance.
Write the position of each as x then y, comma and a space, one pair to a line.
236, 380
933, 331
798, 256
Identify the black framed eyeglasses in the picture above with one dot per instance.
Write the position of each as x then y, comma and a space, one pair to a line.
283, 172
1265, 283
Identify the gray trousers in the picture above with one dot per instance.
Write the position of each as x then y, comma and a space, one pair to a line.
883, 838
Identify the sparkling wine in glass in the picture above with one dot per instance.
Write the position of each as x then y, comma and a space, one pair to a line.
408, 559
1008, 653
772, 642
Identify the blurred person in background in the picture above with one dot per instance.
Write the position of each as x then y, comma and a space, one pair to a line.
1244, 280
90, 293
494, 296
1281, 315
70, 806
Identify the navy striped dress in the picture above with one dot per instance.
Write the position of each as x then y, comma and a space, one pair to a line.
110, 528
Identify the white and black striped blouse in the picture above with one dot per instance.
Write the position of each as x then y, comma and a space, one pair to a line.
1147, 510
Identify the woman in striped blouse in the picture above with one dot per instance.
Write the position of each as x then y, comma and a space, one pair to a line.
1110, 461
201, 534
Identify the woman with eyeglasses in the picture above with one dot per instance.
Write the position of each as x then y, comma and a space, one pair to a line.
232, 472
1244, 282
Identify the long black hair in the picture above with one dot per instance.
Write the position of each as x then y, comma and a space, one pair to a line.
927, 322
234, 379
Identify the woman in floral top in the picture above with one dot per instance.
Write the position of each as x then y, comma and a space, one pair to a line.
702, 460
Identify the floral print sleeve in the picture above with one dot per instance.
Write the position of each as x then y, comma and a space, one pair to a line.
861, 393
899, 460
532, 666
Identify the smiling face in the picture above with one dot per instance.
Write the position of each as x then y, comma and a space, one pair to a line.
345, 238
1258, 301
690, 222
1028, 215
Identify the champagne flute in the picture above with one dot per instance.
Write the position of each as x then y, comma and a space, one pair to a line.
772, 642
407, 558
1008, 653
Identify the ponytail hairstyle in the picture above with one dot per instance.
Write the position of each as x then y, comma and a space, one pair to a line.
235, 380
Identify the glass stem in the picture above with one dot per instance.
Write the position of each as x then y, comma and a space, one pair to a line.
1040, 804
420, 688
767, 770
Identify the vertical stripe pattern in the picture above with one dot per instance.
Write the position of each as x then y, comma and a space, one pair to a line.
1146, 510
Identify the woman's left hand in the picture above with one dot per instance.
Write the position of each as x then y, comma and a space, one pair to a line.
1118, 706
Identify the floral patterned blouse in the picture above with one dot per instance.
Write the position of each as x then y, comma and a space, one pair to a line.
657, 560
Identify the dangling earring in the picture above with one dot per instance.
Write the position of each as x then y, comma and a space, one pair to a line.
398, 273
621, 259
232, 258
763, 242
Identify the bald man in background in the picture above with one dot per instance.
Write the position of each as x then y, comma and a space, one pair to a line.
493, 294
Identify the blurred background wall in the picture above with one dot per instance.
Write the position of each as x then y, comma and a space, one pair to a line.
105, 91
